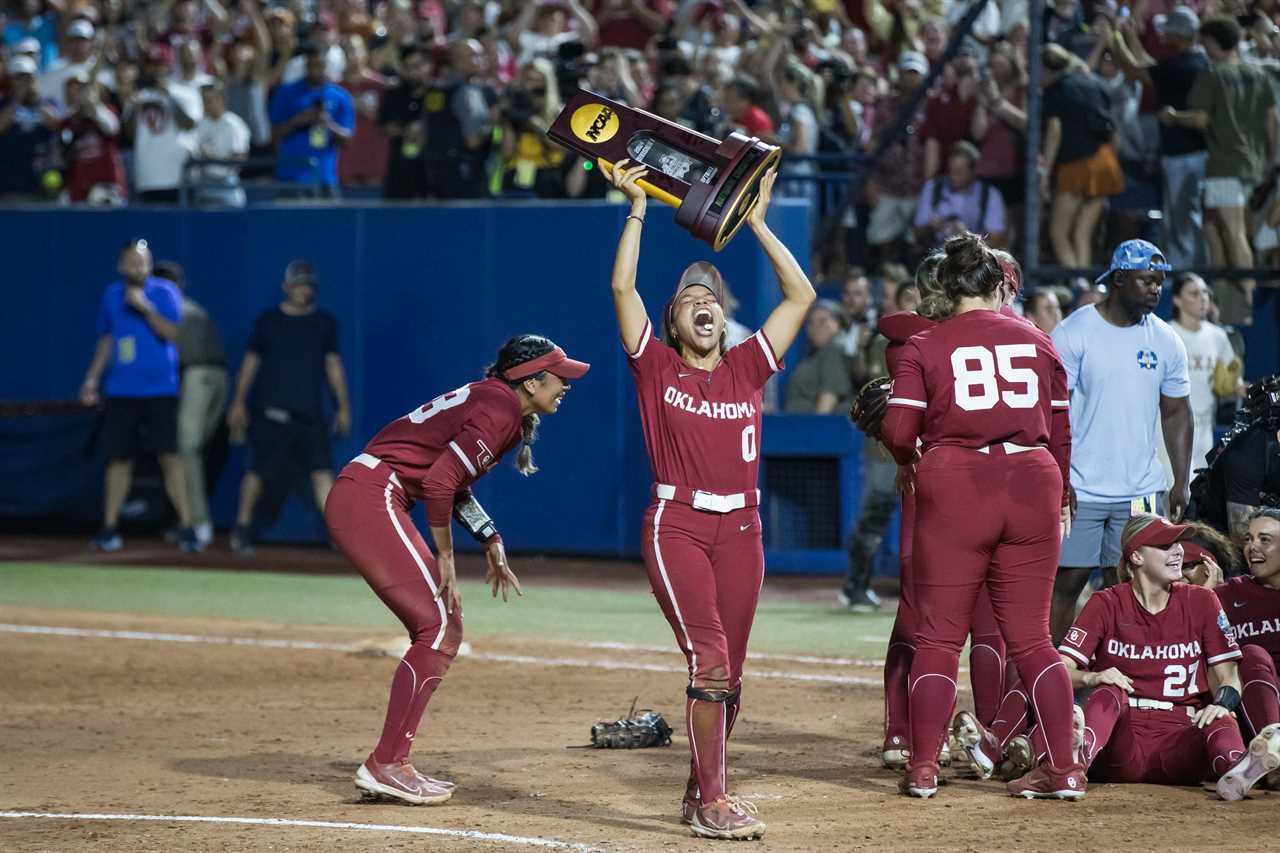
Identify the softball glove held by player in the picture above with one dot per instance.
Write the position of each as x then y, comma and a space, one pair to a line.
871, 404
636, 731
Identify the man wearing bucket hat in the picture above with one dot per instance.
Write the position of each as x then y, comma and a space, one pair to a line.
1126, 371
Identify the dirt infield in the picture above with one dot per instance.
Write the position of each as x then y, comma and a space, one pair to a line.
151, 726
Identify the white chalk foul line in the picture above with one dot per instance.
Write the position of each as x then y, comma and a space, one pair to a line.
469, 834
495, 657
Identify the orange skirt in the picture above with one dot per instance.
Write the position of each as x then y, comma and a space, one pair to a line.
1092, 177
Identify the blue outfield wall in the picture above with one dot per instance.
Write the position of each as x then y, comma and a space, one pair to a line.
424, 295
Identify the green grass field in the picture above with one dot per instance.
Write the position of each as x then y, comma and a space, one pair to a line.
547, 612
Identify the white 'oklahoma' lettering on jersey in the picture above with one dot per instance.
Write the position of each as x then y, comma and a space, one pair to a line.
1173, 651
707, 409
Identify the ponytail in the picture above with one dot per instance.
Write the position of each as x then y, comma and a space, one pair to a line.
529, 434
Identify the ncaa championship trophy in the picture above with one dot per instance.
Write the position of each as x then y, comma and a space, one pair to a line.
712, 184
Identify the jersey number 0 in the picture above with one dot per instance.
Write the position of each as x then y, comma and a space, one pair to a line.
977, 372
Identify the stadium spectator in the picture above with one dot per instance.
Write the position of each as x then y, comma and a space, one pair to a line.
135, 354
220, 135
91, 138
292, 356
311, 119
1044, 309
949, 112
820, 384
162, 120
999, 121
364, 162
1212, 364
401, 118
202, 396
858, 322
248, 75
1079, 153
532, 164
1235, 106
27, 126
897, 177
33, 20
1127, 373
78, 60
541, 27
958, 201
631, 23
459, 125
741, 105
1183, 150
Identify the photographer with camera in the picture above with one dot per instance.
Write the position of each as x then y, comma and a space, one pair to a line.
1244, 469
532, 164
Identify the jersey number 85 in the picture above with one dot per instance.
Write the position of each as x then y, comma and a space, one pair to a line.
984, 378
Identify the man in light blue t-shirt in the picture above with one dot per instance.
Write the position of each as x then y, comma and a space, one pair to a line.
1127, 373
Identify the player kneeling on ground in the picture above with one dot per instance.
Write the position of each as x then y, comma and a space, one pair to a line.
433, 454
1153, 648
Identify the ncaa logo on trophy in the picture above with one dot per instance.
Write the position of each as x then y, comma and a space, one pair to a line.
712, 184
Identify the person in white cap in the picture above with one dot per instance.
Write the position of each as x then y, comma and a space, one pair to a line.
27, 124
77, 61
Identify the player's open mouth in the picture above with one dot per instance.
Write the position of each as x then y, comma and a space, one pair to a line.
703, 322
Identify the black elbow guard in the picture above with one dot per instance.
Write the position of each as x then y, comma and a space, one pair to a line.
471, 515
1227, 697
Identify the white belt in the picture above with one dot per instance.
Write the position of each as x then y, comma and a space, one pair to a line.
1150, 704
707, 501
371, 462
1008, 447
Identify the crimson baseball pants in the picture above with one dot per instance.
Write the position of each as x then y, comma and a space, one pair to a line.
988, 518
1260, 692
705, 569
368, 517
986, 648
1159, 747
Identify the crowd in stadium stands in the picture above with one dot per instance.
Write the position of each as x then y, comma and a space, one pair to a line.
1152, 111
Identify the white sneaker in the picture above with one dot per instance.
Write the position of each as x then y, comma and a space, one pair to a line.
204, 533
1262, 757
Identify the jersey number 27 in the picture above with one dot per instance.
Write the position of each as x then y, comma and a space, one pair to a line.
978, 373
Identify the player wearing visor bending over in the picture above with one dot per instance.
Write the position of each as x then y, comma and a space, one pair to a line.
700, 410
433, 455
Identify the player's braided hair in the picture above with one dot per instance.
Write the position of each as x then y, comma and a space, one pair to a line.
970, 268
514, 352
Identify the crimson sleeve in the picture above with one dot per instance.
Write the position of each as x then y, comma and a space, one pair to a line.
1215, 630
445, 478
908, 402
1087, 632
900, 433
754, 360
1060, 447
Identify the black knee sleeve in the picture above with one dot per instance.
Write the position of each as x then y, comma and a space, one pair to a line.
711, 695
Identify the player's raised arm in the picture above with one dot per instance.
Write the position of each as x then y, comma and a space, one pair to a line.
785, 321
632, 318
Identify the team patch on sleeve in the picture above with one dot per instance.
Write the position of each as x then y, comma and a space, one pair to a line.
1225, 626
1076, 637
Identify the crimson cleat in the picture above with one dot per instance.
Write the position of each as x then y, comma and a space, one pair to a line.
978, 744
1262, 758
399, 781
920, 780
727, 817
1051, 783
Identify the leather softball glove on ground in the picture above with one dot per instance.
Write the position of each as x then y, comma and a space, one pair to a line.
871, 404
646, 728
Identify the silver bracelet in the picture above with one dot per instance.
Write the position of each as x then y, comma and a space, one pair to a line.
639, 219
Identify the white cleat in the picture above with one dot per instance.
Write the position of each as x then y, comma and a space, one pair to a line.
1262, 758
399, 782
895, 759
974, 741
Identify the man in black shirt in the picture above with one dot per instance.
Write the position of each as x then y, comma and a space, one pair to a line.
400, 118
1183, 150
292, 356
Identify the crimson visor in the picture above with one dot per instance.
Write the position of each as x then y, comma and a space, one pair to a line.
553, 362
1159, 533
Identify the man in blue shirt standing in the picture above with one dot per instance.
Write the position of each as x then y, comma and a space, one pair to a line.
137, 326
311, 119
1127, 374
280, 399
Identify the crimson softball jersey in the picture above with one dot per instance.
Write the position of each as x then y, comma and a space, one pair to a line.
1004, 390
702, 428
1253, 610
1166, 653
478, 423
